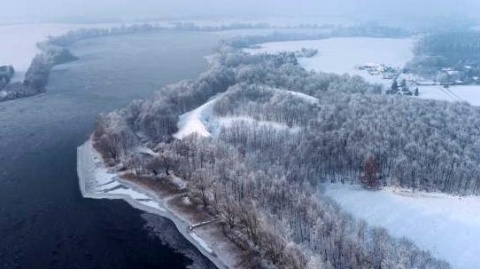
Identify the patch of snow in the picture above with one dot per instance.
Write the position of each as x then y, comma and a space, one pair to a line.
186, 200
342, 55
447, 226
152, 204
306, 97
229, 121
201, 242
179, 182
194, 121
103, 176
203, 122
146, 150
107, 186
129, 192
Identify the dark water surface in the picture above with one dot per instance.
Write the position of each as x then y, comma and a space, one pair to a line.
44, 221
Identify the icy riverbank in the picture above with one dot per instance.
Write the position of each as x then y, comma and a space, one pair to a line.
96, 182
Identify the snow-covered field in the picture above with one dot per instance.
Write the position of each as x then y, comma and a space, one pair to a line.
447, 226
343, 55
469, 93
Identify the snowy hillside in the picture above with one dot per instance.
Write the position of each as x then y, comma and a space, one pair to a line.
196, 120
447, 226
203, 121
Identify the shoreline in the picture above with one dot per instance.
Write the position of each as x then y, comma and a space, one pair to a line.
88, 166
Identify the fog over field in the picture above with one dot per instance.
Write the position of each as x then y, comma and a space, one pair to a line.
367, 10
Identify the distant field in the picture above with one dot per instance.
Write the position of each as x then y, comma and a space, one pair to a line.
342, 55
468, 93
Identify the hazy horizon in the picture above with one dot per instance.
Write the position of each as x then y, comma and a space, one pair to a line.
384, 11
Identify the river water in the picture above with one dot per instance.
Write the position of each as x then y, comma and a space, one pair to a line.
44, 221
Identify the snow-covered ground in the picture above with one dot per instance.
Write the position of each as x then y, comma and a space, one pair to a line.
106, 183
468, 93
447, 226
303, 96
201, 242
195, 120
343, 55
229, 121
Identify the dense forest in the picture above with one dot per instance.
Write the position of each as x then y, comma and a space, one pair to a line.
278, 133
351, 122
457, 52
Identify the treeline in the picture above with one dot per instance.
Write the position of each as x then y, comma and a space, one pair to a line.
455, 46
454, 50
73, 36
330, 32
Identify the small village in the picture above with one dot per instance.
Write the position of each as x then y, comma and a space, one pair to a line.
406, 83
402, 83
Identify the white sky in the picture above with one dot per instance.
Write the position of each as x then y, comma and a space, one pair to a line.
55, 10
